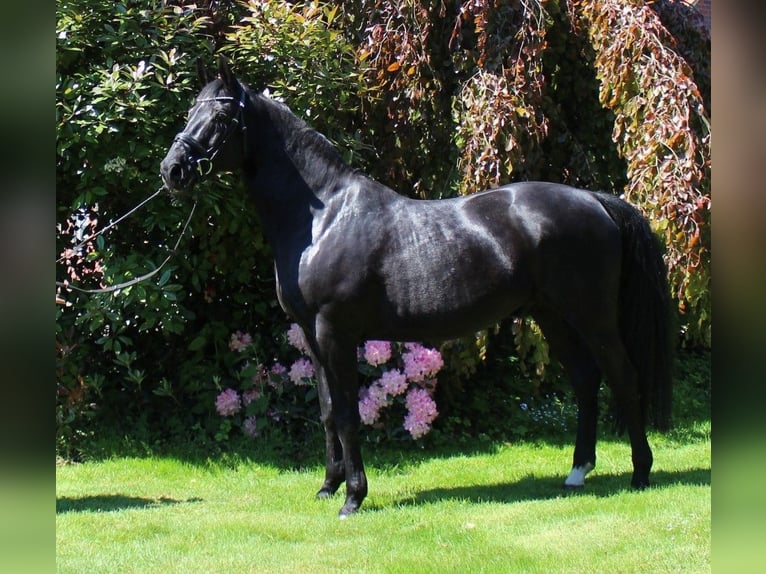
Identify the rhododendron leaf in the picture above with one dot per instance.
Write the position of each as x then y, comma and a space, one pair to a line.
164, 277
197, 343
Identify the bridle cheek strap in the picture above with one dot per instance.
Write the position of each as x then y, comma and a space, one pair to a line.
205, 156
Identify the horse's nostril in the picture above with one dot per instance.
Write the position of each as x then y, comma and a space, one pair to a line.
172, 174
176, 173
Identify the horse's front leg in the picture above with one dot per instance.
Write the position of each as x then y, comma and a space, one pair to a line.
335, 471
337, 358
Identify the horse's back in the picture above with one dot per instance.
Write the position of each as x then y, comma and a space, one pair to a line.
413, 268
556, 208
538, 220
462, 263
575, 248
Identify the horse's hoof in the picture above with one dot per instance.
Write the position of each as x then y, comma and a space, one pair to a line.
640, 479
572, 487
348, 509
576, 478
346, 512
328, 490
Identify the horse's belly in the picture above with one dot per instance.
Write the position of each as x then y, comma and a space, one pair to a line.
449, 309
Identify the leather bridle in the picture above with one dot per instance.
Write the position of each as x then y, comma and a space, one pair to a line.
203, 156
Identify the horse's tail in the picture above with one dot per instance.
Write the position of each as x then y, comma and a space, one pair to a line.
645, 310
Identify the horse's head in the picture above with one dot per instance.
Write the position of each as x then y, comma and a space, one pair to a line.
214, 137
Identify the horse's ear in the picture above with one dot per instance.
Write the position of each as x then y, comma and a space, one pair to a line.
202, 73
225, 74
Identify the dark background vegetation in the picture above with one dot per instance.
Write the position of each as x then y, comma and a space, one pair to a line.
433, 99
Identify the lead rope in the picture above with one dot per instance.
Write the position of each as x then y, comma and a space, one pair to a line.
113, 223
135, 280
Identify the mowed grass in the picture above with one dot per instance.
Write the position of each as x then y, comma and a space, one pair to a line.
497, 511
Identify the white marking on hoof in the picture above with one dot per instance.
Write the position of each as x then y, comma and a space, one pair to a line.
577, 475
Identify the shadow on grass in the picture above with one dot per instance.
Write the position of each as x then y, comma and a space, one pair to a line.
531, 488
113, 503
309, 454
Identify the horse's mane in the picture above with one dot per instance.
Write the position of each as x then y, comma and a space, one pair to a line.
298, 136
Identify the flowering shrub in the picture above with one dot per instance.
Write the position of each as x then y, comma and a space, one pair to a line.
377, 352
240, 341
398, 385
301, 372
421, 411
401, 380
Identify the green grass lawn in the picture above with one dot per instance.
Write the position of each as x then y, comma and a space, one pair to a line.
501, 510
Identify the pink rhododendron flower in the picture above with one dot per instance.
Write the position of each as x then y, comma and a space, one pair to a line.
249, 427
277, 374
250, 395
261, 374
297, 339
421, 412
421, 362
371, 400
369, 410
240, 341
377, 352
394, 382
227, 403
301, 370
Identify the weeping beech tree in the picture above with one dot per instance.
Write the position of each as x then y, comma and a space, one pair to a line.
608, 94
662, 129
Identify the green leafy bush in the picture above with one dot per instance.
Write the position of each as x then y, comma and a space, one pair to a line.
134, 359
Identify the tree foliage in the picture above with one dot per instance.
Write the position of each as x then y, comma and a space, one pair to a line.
434, 99
662, 129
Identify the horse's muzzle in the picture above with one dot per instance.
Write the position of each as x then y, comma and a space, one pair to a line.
176, 171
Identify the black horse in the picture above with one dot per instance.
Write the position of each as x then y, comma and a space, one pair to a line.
355, 260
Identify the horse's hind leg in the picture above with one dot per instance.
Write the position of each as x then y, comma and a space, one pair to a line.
624, 384
622, 378
571, 351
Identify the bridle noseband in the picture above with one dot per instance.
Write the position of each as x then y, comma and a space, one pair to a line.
205, 156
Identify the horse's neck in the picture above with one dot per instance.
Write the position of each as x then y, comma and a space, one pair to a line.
296, 168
